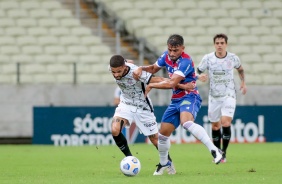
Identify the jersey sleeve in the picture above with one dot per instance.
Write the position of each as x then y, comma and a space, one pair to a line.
185, 67
237, 62
145, 77
161, 60
203, 64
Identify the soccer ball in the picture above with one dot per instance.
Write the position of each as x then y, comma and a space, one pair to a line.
130, 166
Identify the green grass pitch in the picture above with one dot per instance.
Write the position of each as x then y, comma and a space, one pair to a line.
34, 164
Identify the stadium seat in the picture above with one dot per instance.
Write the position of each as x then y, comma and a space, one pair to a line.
89, 58
171, 13
185, 22
163, 22
251, 4
262, 49
228, 21
77, 49
195, 30
51, 5
185, 5
61, 13
163, 5
135, 24
26, 40
9, 49
213, 30
206, 22
251, 58
9, 5
26, 22
48, 40
238, 30
249, 39
69, 22
270, 39
54, 49
17, 13
129, 14
7, 40
44, 58
153, 13
21, 58
217, 13
208, 4
32, 49
271, 79
31, 4
272, 4
100, 50
270, 22
59, 68
278, 68
277, 30
81, 31
254, 79
142, 4
277, 13
91, 40
7, 22
15, 31
230, 4
261, 13
263, 67
149, 31
260, 30
196, 13
239, 13
59, 31
48, 22
239, 49
37, 31
174, 30
39, 13
272, 58
67, 58
278, 49
69, 40
248, 22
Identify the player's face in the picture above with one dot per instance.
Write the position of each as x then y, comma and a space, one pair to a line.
118, 72
220, 45
174, 52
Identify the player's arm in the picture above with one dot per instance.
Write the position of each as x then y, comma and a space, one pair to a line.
243, 86
187, 86
150, 68
166, 84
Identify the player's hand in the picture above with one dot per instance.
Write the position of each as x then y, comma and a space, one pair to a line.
147, 90
137, 73
190, 86
203, 77
243, 88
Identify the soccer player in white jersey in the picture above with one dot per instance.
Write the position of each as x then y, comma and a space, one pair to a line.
222, 92
134, 106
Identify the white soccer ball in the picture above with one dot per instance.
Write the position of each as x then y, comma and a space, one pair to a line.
130, 166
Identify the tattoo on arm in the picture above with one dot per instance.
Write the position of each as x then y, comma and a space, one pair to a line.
241, 74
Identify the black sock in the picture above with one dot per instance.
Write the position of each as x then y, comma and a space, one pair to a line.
168, 157
216, 137
226, 135
121, 142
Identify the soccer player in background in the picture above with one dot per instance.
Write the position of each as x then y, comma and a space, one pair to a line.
222, 92
184, 105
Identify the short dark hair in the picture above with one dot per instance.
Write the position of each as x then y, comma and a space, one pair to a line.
221, 35
175, 40
117, 61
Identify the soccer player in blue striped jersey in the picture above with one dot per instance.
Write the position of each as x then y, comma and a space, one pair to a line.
184, 105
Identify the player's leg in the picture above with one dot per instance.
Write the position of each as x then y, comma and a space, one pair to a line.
228, 111
117, 125
214, 114
188, 112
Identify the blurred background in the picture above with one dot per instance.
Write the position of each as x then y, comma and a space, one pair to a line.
55, 53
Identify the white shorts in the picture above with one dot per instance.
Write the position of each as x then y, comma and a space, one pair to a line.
145, 120
221, 106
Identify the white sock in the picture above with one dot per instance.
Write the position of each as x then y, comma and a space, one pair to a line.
200, 133
163, 147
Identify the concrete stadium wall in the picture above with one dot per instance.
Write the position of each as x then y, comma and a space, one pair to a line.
17, 101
